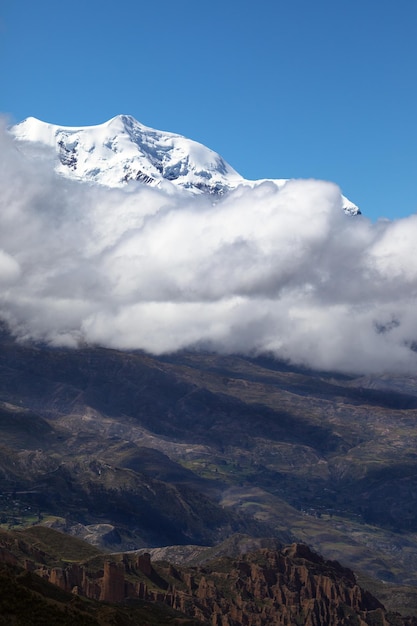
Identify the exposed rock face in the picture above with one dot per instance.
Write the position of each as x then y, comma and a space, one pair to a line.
289, 587
113, 582
294, 586
143, 564
66, 578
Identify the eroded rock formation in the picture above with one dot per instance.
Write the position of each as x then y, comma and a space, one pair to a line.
285, 588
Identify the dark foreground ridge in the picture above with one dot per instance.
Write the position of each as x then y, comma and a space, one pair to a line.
281, 587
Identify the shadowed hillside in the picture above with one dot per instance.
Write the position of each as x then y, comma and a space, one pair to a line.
288, 586
129, 451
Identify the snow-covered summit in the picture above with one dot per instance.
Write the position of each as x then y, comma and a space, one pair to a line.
123, 150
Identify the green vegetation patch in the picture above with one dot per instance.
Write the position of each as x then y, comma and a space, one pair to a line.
59, 545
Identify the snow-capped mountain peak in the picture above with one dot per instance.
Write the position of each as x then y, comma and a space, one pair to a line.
123, 150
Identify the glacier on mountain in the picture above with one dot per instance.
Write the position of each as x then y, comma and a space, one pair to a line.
270, 267
122, 150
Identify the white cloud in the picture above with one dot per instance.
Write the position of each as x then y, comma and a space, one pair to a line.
9, 268
263, 269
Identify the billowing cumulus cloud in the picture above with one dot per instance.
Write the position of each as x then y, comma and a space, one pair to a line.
259, 270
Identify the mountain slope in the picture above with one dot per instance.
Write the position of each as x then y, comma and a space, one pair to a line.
123, 150
134, 451
269, 586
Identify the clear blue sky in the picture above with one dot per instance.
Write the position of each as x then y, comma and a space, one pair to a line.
280, 88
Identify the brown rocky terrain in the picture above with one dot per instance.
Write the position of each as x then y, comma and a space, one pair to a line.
130, 451
283, 587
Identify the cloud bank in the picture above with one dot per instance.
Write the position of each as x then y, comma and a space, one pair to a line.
260, 270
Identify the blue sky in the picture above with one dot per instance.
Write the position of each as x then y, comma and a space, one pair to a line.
293, 88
